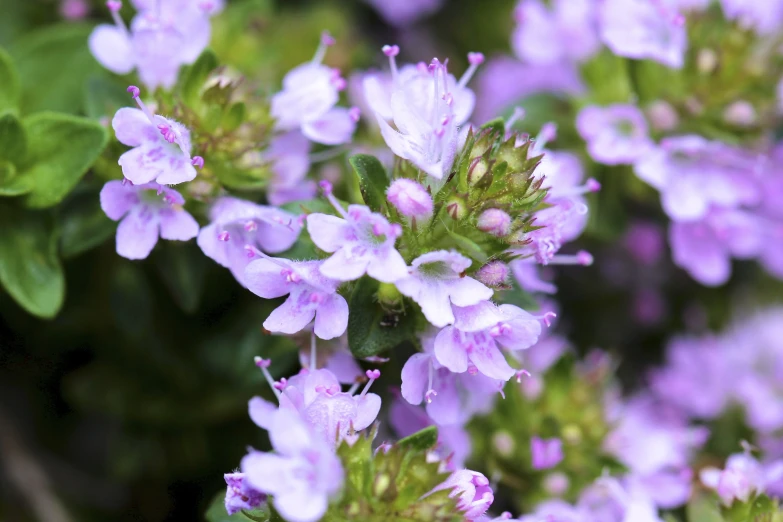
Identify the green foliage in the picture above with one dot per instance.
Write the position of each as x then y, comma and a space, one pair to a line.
54, 63
9, 83
104, 96
388, 485
373, 180
13, 140
83, 224
60, 150
196, 75
570, 407
374, 327
29, 268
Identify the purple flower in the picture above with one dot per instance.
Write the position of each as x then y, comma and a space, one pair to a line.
546, 453
494, 274
301, 475
163, 36
644, 29
290, 163
645, 242
528, 276
693, 173
704, 248
307, 101
494, 221
742, 477
238, 226
763, 17
362, 242
569, 28
334, 356
611, 500
555, 511
473, 492
240, 495
453, 446
161, 147
403, 13
436, 280
149, 211
473, 339
615, 135
318, 398
697, 377
410, 199
310, 295
451, 399
427, 109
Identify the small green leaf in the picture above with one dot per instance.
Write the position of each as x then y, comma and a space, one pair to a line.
421, 440
703, 508
10, 183
13, 141
371, 328
373, 180
9, 83
60, 150
234, 116
196, 76
53, 64
468, 246
103, 97
29, 268
498, 125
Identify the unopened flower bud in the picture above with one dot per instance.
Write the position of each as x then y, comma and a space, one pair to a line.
556, 484
662, 116
456, 208
477, 170
494, 274
740, 113
388, 296
494, 221
410, 198
484, 142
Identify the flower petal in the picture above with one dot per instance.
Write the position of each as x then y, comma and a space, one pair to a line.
414, 378
132, 127
263, 278
327, 232
117, 199
333, 128
261, 412
489, 361
450, 351
388, 267
331, 319
137, 233
112, 48
177, 224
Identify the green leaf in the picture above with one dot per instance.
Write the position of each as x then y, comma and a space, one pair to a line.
9, 83
498, 125
54, 63
29, 268
197, 75
13, 141
703, 509
103, 97
60, 150
373, 180
10, 183
371, 328
83, 225
234, 116
421, 440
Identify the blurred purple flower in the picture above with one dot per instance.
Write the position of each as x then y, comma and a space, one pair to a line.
290, 163
238, 226
301, 475
147, 211
473, 492
615, 135
403, 13
240, 495
545, 453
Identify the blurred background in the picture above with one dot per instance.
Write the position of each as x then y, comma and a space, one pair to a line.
131, 403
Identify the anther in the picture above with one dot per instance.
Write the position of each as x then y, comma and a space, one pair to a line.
197, 161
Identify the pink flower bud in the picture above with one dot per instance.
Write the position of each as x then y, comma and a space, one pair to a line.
493, 274
494, 221
410, 199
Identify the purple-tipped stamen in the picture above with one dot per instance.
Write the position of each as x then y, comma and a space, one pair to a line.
373, 375
264, 365
475, 59
326, 41
197, 162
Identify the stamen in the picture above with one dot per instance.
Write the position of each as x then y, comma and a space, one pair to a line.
355, 114
353, 388
520, 373
546, 318
392, 51
372, 375
264, 364
548, 133
114, 7
327, 188
250, 226
197, 162
224, 236
519, 114
430, 391
326, 41
134, 91
475, 59
281, 384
